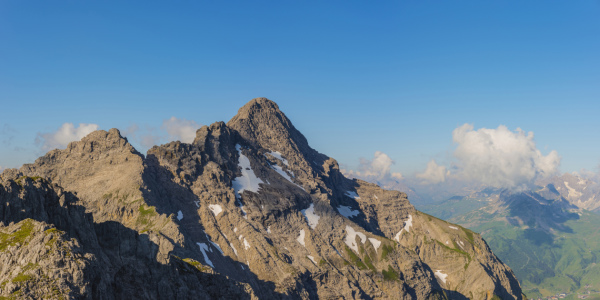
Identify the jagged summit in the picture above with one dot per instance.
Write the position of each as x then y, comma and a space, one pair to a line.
251, 203
258, 106
260, 122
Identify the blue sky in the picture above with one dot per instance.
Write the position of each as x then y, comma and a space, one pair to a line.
354, 76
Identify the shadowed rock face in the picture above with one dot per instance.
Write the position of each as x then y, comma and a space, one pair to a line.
250, 210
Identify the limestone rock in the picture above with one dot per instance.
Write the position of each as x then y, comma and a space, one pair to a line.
247, 210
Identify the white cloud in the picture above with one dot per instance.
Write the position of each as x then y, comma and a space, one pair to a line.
434, 173
181, 129
500, 157
397, 175
147, 137
64, 135
377, 169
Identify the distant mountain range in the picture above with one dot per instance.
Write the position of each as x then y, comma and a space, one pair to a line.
580, 191
549, 236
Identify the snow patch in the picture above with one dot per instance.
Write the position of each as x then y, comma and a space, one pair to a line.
285, 175
441, 276
352, 195
203, 249
347, 212
269, 229
216, 209
213, 243
277, 155
351, 238
248, 180
311, 217
179, 215
246, 244
572, 192
235, 230
453, 227
233, 248
407, 226
313, 259
300, 238
376, 243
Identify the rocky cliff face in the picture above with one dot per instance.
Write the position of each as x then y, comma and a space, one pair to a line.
248, 210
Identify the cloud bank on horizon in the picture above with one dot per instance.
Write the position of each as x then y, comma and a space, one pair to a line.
65, 134
181, 129
501, 158
433, 174
174, 129
498, 158
377, 169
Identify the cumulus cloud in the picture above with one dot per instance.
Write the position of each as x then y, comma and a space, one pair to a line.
172, 129
146, 137
377, 169
64, 135
180, 129
501, 158
434, 173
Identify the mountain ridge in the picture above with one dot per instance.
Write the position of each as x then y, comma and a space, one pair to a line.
550, 243
252, 202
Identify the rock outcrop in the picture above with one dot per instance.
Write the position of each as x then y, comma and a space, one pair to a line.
248, 209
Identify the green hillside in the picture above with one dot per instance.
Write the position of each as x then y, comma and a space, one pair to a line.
550, 248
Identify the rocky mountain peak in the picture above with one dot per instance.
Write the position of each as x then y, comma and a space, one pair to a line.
261, 123
250, 203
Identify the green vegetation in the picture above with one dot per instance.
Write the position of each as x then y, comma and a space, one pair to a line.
322, 262
469, 234
145, 214
455, 249
55, 236
355, 259
22, 278
390, 274
20, 183
385, 250
563, 259
194, 263
30, 266
369, 264
453, 207
18, 237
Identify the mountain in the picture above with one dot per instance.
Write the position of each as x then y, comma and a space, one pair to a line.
247, 211
580, 191
552, 245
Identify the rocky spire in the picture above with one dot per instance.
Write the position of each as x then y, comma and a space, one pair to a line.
261, 123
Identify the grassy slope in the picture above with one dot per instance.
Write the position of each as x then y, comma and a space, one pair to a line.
545, 263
